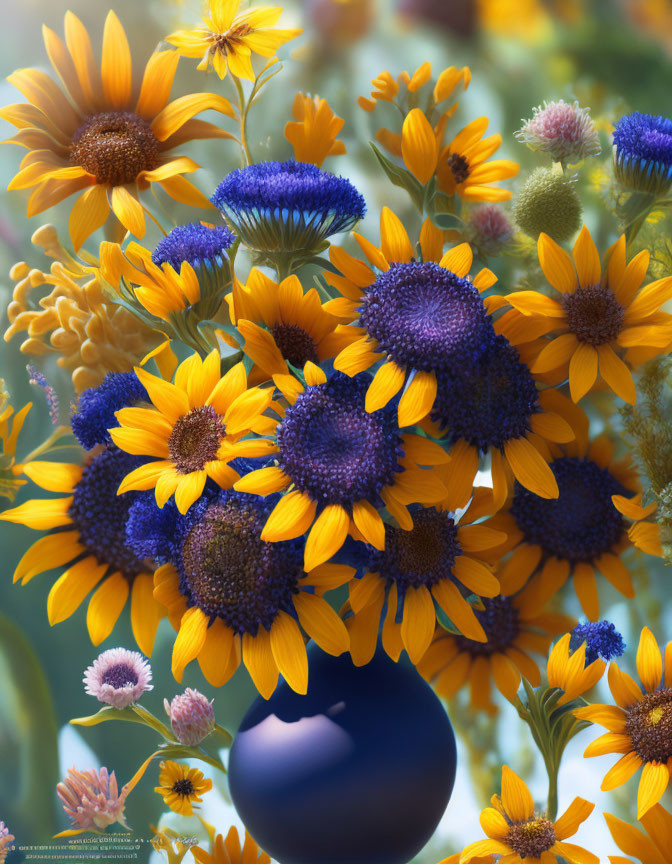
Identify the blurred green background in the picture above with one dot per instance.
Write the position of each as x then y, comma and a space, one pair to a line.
613, 55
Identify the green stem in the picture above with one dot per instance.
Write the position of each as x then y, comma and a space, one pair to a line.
244, 108
552, 804
58, 433
153, 722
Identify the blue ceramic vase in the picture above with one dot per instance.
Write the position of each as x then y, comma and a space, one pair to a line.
358, 771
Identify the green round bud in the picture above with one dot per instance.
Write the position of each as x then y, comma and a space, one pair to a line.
548, 202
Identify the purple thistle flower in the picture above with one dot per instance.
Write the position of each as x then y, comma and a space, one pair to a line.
564, 131
92, 799
192, 717
37, 378
118, 677
6, 841
488, 229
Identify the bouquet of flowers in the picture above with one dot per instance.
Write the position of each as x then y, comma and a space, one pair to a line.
351, 460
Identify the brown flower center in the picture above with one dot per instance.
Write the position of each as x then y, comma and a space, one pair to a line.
531, 838
649, 725
296, 346
115, 146
594, 314
458, 166
234, 36
195, 439
183, 787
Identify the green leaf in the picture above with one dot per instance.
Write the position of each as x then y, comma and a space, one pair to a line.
447, 221
29, 731
401, 177
109, 713
219, 738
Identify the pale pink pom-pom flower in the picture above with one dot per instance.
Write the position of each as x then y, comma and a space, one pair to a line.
118, 677
565, 131
192, 717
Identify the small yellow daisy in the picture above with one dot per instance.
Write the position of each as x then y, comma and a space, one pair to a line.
181, 787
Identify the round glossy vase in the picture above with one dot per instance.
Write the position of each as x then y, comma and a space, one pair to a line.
358, 771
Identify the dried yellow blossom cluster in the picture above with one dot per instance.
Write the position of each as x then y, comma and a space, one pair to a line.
77, 318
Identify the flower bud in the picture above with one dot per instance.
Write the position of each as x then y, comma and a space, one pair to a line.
192, 717
566, 132
548, 202
488, 229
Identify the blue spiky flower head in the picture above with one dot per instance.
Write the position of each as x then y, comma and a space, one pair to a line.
205, 247
94, 414
602, 640
643, 152
287, 208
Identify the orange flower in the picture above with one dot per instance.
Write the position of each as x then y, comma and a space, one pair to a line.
314, 130
103, 136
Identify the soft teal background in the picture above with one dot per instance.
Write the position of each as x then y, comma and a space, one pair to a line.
601, 59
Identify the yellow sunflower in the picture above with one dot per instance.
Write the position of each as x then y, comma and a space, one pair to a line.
313, 132
280, 325
640, 724
228, 850
160, 290
650, 848
578, 533
516, 831
599, 318
339, 466
513, 627
103, 135
418, 316
189, 429
567, 670
230, 37
463, 168
181, 787
432, 560
257, 605
87, 537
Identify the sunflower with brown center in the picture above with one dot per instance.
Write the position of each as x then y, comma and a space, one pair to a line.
234, 598
190, 428
229, 37
103, 134
604, 320
640, 724
282, 326
517, 832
